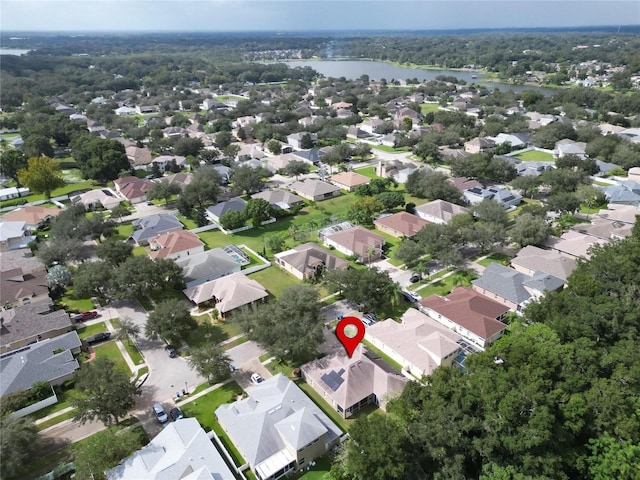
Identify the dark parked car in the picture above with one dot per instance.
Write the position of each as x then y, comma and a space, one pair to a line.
98, 337
408, 297
415, 278
171, 351
176, 414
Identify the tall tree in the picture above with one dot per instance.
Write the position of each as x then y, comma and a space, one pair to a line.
42, 175
369, 288
19, 444
295, 168
249, 180
163, 189
529, 230
211, 362
170, 320
258, 210
106, 394
12, 161
432, 185
128, 330
114, 251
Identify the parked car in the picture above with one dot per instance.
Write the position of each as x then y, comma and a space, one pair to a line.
256, 378
81, 317
415, 278
171, 351
98, 337
160, 414
371, 317
176, 414
367, 321
408, 297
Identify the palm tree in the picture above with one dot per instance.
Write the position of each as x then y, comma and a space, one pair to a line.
128, 330
463, 277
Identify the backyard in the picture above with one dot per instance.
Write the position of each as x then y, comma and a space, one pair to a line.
535, 156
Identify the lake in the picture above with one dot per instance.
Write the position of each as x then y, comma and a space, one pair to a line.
13, 51
353, 69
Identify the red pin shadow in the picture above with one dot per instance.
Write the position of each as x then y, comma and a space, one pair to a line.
350, 343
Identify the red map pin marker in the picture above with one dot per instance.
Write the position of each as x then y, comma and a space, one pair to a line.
350, 343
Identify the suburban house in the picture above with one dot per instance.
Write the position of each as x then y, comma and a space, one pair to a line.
463, 183
315, 190
479, 145
604, 229
357, 241
95, 199
14, 235
505, 197
50, 360
13, 192
132, 188
516, 140
124, 110
531, 169
312, 156
22, 288
620, 213
174, 244
513, 288
21, 258
401, 224
395, 169
280, 162
371, 125
211, 104
152, 226
146, 109
181, 450
215, 212
228, 293
309, 260
534, 259
163, 162
33, 216
417, 342
279, 198
20, 326
295, 139
467, 313
626, 193
440, 211
349, 180
181, 179
634, 174
350, 384
277, 428
569, 147
206, 266
140, 157
574, 244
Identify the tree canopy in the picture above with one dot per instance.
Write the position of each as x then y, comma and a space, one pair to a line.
42, 175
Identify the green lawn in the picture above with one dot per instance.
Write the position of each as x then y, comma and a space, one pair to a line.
500, 258
89, 330
319, 470
56, 420
384, 148
207, 332
67, 189
110, 350
64, 401
535, 156
124, 231
187, 222
131, 349
72, 304
429, 107
367, 172
441, 287
274, 279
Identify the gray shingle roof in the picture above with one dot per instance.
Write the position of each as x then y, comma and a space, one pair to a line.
154, 225
233, 205
27, 321
38, 362
505, 282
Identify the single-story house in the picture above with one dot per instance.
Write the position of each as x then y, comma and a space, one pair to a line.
312, 156
401, 224
295, 139
50, 360
531, 259
569, 147
467, 313
440, 211
215, 212
574, 244
350, 384
309, 260
163, 161
505, 197
14, 235
626, 193
479, 145
620, 213
175, 244
228, 293
21, 288
99, 198
33, 216
152, 226
357, 241
513, 288
206, 266
13, 192
418, 343
181, 450
279, 198
279, 162
181, 179
30, 323
132, 188
315, 190
145, 109
464, 183
21, 258
140, 157
349, 180
604, 229
277, 429
124, 110
516, 140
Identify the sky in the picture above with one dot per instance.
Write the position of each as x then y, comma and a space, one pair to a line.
308, 15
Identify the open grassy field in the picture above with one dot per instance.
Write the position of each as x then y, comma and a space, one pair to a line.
535, 156
274, 279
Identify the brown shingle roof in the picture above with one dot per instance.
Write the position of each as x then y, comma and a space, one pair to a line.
173, 242
32, 215
15, 285
357, 239
403, 222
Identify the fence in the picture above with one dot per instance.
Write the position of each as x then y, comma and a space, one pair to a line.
34, 407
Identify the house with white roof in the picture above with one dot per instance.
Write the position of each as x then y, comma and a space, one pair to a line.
277, 428
228, 293
182, 450
531, 259
14, 235
99, 198
349, 384
417, 342
569, 147
440, 211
